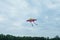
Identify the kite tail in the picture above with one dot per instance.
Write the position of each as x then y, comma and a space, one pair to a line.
32, 24
35, 23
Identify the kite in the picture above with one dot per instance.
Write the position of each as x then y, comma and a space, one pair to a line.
32, 21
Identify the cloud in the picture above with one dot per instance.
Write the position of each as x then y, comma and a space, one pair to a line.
57, 19
3, 18
16, 12
49, 4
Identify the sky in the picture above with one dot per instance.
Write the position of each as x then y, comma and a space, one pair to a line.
14, 13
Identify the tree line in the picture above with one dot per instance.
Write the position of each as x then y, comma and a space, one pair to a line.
10, 37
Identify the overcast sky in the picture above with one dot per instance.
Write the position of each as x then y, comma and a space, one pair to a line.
14, 13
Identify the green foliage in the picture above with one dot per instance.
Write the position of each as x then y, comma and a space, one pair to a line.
10, 37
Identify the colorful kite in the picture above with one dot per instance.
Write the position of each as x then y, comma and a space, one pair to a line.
32, 21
